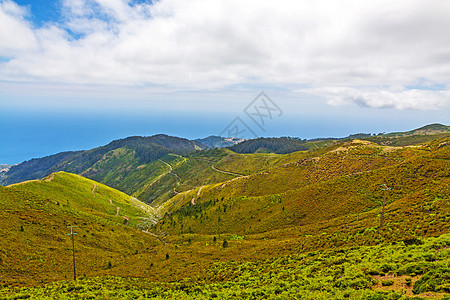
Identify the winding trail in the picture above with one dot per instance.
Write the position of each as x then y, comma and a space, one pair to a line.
198, 194
160, 176
167, 165
226, 172
174, 174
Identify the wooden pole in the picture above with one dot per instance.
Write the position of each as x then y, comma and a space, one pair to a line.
73, 251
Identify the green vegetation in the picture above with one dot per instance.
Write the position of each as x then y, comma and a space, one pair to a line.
281, 145
118, 156
330, 274
35, 246
339, 190
235, 226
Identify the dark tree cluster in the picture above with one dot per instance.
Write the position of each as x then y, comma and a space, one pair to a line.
281, 145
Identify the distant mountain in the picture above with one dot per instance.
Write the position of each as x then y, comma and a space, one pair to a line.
110, 164
158, 167
219, 142
420, 135
431, 129
284, 145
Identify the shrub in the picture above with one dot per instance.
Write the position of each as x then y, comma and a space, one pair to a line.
412, 241
413, 269
386, 268
408, 281
387, 282
435, 280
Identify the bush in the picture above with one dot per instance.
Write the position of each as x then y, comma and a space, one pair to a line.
387, 282
386, 268
412, 241
408, 281
435, 280
413, 269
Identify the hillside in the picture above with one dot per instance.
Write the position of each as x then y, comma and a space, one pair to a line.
35, 215
304, 224
155, 169
286, 145
331, 186
404, 270
413, 137
133, 158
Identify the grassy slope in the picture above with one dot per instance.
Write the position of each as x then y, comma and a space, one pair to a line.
35, 216
355, 273
329, 203
336, 184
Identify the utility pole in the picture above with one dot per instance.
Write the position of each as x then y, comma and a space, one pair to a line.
73, 250
385, 189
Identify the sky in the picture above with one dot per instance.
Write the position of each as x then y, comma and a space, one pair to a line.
75, 74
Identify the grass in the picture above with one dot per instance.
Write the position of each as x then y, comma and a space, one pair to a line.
301, 225
339, 186
35, 246
352, 273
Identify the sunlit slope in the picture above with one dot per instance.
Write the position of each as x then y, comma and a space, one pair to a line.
343, 184
35, 216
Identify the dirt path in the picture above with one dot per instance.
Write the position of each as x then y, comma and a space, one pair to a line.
226, 172
198, 194
167, 165
94, 187
174, 174
160, 176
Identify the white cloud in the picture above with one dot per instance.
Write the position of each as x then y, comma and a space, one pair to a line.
16, 34
210, 44
395, 97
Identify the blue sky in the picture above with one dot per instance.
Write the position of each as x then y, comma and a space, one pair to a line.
75, 74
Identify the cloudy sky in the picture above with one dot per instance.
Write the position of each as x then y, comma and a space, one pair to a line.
384, 64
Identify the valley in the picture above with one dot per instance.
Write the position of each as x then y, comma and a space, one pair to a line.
267, 218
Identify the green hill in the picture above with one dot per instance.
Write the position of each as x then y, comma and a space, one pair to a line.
333, 186
421, 135
35, 216
155, 169
303, 225
128, 164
